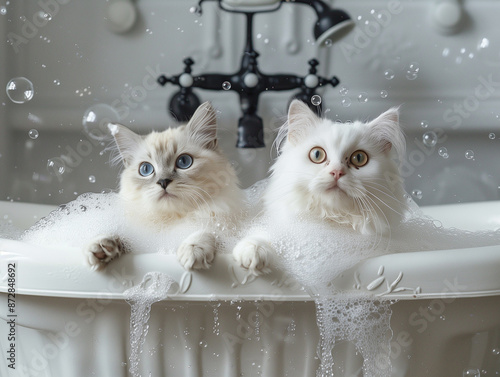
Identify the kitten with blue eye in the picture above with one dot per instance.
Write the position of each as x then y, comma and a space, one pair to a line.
341, 174
170, 178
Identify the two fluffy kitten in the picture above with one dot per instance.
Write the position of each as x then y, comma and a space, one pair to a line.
343, 174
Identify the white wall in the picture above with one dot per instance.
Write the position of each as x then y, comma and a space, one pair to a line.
95, 66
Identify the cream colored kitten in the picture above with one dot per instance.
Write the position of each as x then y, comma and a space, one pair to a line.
339, 174
170, 178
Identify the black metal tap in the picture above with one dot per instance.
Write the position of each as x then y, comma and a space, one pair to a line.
248, 82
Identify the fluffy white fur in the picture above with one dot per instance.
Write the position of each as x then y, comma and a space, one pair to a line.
368, 198
205, 191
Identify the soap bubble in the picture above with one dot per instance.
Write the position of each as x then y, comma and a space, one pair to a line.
328, 43
429, 138
363, 97
443, 152
389, 74
195, 10
346, 102
469, 154
343, 91
91, 179
20, 90
383, 93
417, 194
96, 120
226, 85
471, 373
56, 167
33, 134
57, 82
3, 11
316, 100
424, 124
492, 136
412, 71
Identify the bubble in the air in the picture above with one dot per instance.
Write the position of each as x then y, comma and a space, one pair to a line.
96, 120
412, 71
316, 100
57, 82
492, 136
346, 102
328, 43
389, 74
33, 134
55, 167
20, 90
362, 97
3, 11
443, 152
344, 90
469, 154
226, 85
471, 373
483, 43
383, 93
429, 138
424, 124
91, 179
446, 52
417, 194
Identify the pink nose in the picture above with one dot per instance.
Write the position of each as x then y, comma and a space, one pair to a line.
337, 174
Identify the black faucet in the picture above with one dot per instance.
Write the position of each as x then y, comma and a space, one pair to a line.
249, 82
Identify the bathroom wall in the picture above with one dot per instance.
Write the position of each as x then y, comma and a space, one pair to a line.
445, 79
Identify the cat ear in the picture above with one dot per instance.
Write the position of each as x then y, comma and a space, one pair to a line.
385, 129
126, 141
300, 119
203, 126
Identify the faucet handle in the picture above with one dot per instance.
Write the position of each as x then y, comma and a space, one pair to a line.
188, 62
313, 63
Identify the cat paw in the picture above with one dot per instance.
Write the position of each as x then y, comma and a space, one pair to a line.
253, 254
197, 251
102, 251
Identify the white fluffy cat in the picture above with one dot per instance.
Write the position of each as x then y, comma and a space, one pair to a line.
339, 173
177, 176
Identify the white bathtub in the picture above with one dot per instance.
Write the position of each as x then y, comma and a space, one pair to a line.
74, 322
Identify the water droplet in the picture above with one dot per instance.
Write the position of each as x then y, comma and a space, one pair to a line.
424, 124
417, 194
389, 74
469, 154
443, 152
316, 100
343, 91
492, 136
383, 93
226, 85
91, 179
20, 90
346, 102
429, 138
362, 97
96, 119
33, 134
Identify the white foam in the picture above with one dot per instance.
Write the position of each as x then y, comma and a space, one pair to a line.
155, 286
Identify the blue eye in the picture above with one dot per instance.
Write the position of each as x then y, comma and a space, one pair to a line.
184, 161
146, 169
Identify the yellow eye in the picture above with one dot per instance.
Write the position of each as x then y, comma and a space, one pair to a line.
359, 159
317, 155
